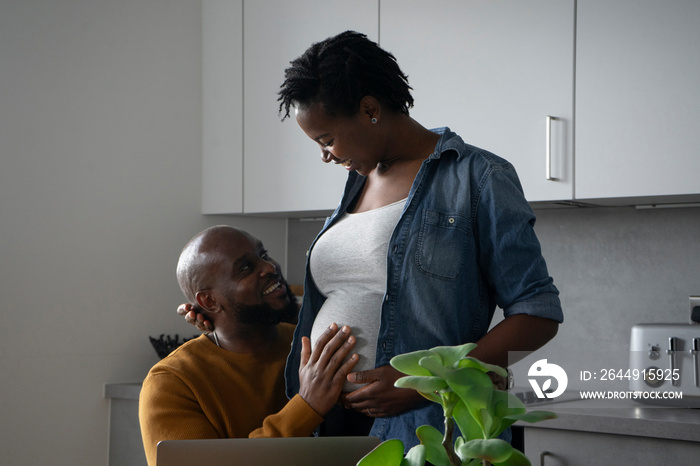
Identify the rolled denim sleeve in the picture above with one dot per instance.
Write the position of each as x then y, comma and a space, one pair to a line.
509, 251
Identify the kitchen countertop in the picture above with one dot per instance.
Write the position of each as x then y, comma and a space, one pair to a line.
624, 417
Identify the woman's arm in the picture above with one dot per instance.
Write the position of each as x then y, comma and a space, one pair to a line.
194, 318
519, 332
379, 398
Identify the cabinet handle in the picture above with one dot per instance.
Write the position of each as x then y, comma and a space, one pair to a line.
543, 454
548, 152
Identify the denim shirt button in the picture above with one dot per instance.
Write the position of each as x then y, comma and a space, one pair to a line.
451, 220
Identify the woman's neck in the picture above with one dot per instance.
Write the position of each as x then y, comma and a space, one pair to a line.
408, 145
407, 141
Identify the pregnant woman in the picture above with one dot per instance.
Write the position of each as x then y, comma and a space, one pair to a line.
431, 234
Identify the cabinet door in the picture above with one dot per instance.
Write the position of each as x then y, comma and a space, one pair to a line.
493, 70
222, 106
283, 171
554, 447
637, 98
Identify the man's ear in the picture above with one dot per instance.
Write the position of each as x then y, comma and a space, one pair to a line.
207, 302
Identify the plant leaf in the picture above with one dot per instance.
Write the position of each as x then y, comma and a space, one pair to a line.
473, 387
450, 355
408, 363
504, 404
493, 450
431, 438
415, 456
423, 384
516, 459
474, 462
486, 420
484, 367
458, 443
515, 403
433, 363
387, 453
468, 426
532, 416
435, 398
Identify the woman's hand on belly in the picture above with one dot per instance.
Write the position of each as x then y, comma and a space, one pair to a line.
379, 398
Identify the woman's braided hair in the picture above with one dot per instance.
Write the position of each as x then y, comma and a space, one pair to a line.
339, 71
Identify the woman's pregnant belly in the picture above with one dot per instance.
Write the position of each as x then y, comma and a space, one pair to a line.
360, 312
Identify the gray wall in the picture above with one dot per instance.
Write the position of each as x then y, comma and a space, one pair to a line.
99, 190
614, 267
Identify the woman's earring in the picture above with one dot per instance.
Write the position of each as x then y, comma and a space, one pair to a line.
374, 121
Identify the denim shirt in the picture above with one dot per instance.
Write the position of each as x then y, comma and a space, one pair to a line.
463, 245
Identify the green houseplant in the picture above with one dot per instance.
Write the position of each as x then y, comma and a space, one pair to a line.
461, 384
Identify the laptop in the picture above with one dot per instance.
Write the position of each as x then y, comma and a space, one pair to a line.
288, 451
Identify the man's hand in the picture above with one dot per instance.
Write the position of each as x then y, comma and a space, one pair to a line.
379, 398
194, 318
322, 373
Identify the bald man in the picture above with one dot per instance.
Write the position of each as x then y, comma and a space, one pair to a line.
229, 383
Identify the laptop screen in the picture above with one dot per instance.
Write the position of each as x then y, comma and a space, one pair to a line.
290, 451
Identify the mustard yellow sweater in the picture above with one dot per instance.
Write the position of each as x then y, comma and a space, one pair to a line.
201, 391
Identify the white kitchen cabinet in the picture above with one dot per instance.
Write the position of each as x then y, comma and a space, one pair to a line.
638, 100
222, 106
253, 163
282, 167
493, 70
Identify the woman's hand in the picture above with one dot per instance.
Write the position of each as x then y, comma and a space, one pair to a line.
195, 318
379, 398
322, 373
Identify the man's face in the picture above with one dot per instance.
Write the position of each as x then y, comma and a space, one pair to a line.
250, 285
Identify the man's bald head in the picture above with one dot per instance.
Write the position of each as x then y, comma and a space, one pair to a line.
201, 257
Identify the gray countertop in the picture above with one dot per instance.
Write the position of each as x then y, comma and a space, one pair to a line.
624, 417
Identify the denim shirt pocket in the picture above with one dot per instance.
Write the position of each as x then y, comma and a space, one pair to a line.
442, 244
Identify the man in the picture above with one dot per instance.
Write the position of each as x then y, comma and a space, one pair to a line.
230, 382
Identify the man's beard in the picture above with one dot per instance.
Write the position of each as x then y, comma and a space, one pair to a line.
264, 314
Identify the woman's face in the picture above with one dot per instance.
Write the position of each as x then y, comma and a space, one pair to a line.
349, 141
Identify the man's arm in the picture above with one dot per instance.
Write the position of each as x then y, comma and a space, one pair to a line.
168, 411
322, 374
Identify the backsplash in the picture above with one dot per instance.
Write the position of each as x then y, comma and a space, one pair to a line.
614, 267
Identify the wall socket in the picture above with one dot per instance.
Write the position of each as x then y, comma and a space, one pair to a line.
694, 307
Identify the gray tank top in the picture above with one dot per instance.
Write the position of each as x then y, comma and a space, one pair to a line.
348, 265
